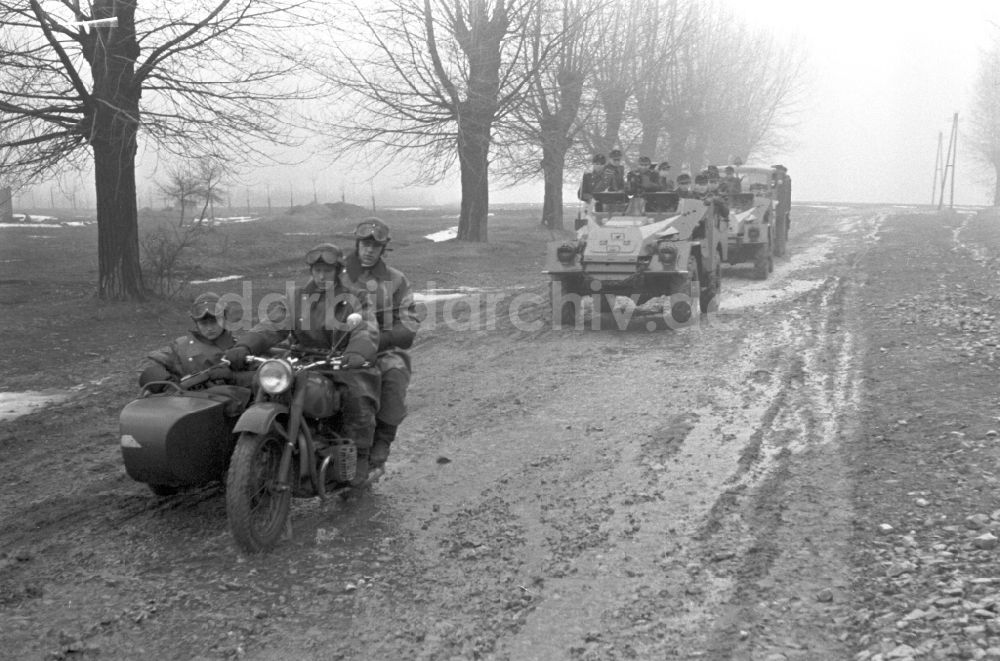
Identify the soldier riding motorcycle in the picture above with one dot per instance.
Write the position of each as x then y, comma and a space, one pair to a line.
310, 427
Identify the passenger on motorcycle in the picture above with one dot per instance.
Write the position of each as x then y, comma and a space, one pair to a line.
316, 318
201, 349
390, 293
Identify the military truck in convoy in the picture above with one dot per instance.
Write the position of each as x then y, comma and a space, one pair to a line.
752, 230
650, 245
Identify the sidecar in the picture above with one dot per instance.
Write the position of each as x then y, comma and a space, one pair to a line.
180, 438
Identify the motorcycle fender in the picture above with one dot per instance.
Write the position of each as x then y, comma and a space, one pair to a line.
258, 418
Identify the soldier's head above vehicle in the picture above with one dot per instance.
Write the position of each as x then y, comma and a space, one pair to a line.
209, 314
780, 168
730, 170
615, 155
206, 305
683, 179
598, 159
371, 237
325, 262
663, 167
644, 161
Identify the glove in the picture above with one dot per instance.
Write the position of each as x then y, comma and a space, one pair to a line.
220, 373
237, 356
155, 372
353, 360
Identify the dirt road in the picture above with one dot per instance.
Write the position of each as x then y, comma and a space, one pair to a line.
713, 492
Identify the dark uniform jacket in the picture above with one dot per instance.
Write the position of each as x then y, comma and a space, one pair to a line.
192, 353
316, 318
395, 309
593, 182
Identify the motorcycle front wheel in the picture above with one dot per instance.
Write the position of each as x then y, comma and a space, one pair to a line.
257, 509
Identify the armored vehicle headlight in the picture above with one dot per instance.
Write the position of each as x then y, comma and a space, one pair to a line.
566, 253
275, 376
667, 254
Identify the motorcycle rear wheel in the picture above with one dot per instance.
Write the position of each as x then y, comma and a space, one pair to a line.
256, 508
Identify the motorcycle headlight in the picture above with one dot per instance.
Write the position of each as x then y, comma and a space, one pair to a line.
275, 376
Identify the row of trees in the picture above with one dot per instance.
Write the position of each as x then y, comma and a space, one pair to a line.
985, 113
519, 89
523, 88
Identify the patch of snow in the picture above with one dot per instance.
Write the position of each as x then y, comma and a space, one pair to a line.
33, 226
32, 219
443, 235
234, 219
15, 404
224, 278
405, 208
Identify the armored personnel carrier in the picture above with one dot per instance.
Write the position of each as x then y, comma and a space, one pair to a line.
643, 247
752, 232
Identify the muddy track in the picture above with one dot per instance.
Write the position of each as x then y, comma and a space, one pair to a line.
556, 494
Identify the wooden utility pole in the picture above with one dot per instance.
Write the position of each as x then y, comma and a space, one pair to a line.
937, 165
950, 164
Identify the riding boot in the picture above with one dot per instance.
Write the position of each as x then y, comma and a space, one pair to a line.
362, 467
384, 435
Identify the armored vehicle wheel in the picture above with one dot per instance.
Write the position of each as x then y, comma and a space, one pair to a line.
780, 235
763, 263
567, 313
565, 305
255, 504
603, 303
711, 286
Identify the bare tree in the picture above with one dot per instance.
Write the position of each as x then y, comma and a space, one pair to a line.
660, 33
211, 174
615, 44
182, 72
985, 114
549, 121
181, 187
730, 91
434, 77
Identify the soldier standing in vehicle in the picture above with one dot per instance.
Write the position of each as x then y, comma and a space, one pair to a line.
782, 184
644, 178
315, 317
390, 293
684, 185
615, 171
663, 174
730, 184
594, 181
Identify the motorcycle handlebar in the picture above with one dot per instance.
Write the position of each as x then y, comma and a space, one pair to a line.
334, 362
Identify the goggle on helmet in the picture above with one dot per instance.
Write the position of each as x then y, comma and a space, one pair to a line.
372, 228
326, 253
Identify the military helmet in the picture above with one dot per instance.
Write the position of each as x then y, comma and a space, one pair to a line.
326, 253
206, 305
372, 228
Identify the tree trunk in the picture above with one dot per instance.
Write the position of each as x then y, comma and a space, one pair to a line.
473, 159
111, 124
553, 167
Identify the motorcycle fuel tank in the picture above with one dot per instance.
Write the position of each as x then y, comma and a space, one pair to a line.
321, 399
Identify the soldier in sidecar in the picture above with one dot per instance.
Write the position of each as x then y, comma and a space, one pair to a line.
179, 432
